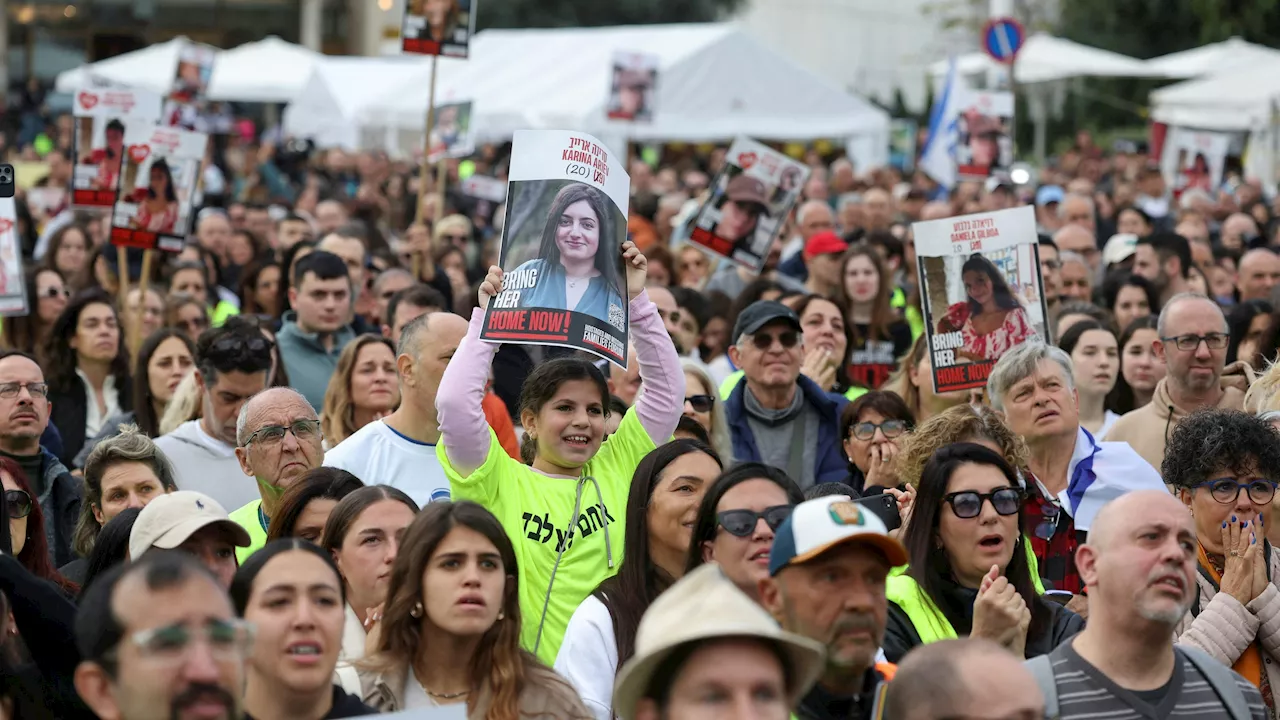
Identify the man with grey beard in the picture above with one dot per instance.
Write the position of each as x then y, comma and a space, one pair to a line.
1140, 570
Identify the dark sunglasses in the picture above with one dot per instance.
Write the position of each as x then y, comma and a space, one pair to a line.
741, 523
764, 341
19, 503
967, 504
701, 403
53, 292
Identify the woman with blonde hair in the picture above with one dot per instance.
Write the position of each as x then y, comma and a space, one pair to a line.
913, 382
701, 404
364, 388
184, 406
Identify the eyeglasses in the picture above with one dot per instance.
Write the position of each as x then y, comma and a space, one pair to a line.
1188, 343
19, 503
1227, 490
867, 430
227, 640
270, 435
741, 523
235, 343
1048, 525
764, 341
967, 504
10, 390
54, 292
701, 403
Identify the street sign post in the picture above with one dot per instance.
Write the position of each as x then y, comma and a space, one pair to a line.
1002, 38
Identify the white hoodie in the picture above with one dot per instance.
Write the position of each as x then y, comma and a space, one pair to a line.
208, 465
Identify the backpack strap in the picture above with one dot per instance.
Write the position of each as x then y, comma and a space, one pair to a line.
1221, 678
1041, 668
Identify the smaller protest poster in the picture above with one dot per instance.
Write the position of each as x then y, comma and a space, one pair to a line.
438, 27
633, 85
985, 143
750, 199
1195, 159
190, 86
563, 277
13, 293
101, 114
981, 292
158, 183
451, 137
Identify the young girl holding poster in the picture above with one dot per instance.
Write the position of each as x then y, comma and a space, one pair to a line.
565, 510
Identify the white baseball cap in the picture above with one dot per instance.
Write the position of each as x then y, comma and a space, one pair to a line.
816, 526
169, 520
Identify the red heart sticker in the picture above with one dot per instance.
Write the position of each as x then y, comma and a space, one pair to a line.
5, 225
138, 153
88, 100
746, 160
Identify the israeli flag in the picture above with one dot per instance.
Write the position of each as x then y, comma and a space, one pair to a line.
938, 159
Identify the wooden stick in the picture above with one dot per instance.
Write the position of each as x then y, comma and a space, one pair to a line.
135, 331
122, 277
426, 139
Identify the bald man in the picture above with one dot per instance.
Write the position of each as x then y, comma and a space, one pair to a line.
812, 217
877, 207
969, 678
1077, 209
1237, 230
1139, 566
1081, 241
1259, 272
399, 450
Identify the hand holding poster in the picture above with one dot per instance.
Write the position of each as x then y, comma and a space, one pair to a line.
451, 137
564, 281
438, 27
751, 197
985, 146
633, 86
981, 292
101, 114
13, 294
157, 187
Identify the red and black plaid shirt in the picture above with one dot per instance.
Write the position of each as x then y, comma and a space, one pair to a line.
1056, 552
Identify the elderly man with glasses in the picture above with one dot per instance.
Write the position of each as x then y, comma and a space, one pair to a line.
1193, 339
778, 416
278, 440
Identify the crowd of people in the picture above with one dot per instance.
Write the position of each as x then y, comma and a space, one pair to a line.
288, 480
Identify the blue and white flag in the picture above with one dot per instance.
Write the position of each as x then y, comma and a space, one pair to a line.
938, 160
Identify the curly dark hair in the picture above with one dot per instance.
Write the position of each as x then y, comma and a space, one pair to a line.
1213, 441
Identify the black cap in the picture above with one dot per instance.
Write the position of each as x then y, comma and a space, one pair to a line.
761, 313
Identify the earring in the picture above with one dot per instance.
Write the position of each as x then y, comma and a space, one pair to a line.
416, 610
501, 615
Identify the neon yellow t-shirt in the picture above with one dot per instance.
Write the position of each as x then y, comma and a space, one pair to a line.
248, 518
536, 511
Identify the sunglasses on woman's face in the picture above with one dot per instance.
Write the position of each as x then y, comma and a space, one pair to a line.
19, 503
741, 523
53, 292
967, 504
701, 403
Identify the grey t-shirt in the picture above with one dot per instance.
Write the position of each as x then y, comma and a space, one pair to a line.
1084, 693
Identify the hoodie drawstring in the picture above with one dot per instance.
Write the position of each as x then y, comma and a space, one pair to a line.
1167, 422
573, 523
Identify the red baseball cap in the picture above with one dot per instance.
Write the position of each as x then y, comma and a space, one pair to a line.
824, 243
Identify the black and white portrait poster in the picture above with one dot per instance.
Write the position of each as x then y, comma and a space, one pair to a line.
563, 277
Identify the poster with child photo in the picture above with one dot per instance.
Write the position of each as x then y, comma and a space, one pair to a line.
157, 187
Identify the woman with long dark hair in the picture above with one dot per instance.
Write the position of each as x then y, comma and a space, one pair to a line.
1129, 297
878, 337
260, 289
450, 632
87, 371
1095, 362
305, 507
990, 319
1140, 369
26, 527
47, 295
665, 492
158, 202
969, 574
575, 269
1247, 323
69, 250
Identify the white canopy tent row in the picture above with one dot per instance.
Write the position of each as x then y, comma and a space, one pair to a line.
715, 83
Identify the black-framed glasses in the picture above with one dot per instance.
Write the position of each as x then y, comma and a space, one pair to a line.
867, 430
19, 503
1227, 490
10, 390
701, 403
272, 434
229, 639
763, 340
1188, 343
741, 523
967, 504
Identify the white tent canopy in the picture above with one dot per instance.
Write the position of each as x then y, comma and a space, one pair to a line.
1044, 58
269, 70
340, 88
1239, 99
714, 83
1214, 57
150, 68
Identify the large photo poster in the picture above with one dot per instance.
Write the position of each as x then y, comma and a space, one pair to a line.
985, 128
564, 282
13, 293
750, 199
633, 87
438, 27
157, 187
1195, 159
981, 292
101, 114
451, 137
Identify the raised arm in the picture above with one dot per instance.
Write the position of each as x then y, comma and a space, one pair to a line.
463, 429
661, 399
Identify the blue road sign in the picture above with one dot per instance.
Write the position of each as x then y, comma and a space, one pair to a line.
1002, 38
